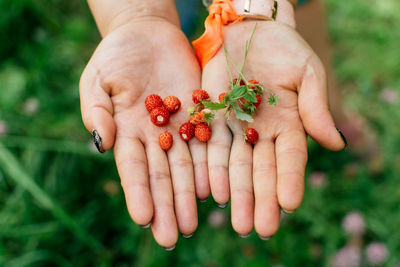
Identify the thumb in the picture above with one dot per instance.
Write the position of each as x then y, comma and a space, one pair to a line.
97, 111
314, 107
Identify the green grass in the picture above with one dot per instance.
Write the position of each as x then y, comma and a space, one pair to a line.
61, 203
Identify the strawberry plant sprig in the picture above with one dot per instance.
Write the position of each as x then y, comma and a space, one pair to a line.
245, 95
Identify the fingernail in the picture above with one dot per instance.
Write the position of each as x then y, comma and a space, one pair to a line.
343, 137
170, 248
265, 238
97, 141
147, 225
244, 236
288, 211
203, 200
187, 236
222, 206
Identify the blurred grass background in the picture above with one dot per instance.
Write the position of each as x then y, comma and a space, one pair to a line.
61, 203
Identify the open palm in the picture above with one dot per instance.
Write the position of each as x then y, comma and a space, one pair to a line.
145, 57
270, 176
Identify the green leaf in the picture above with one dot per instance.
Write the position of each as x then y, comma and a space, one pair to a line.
250, 97
213, 105
240, 115
244, 117
238, 91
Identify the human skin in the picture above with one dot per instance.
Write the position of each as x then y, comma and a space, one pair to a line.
143, 52
261, 180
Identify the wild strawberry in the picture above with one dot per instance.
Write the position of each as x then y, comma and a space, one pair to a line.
221, 97
172, 104
242, 102
153, 101
204, 116
258, 101
202, 132
253, 82
251, 136
159, 116
199, 95
165, 139
186, 131
241, 82
196, 118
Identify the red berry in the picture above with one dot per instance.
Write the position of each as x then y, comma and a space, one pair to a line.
199, 95
242, 102
202, 132
253, 82
165, 139
159, 116
251, 136
197, 118
186, 131
221, 97
241, 82
172, 104
152, 102
258, 101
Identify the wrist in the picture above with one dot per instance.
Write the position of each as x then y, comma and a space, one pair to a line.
111, 14
262, 9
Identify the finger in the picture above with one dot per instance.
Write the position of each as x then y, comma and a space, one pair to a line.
198, 150
131, 161
97, 109
266, 211
164, 226
216, 80
291, 159
181, 167
219, 149
240, 178
314, 107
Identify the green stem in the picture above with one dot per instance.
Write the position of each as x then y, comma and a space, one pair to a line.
234, 65
246, 52
227, 61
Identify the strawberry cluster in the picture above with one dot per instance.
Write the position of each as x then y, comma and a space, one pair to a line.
160, 111
199, 118
243, 98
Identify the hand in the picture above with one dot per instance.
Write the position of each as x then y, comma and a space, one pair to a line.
270, 175
146, 56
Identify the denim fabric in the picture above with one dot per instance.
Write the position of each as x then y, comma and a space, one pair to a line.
188, 12
302, 2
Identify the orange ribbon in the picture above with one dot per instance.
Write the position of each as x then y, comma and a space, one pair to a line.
221, 12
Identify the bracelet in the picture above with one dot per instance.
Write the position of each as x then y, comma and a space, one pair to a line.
207, 3
256, 9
